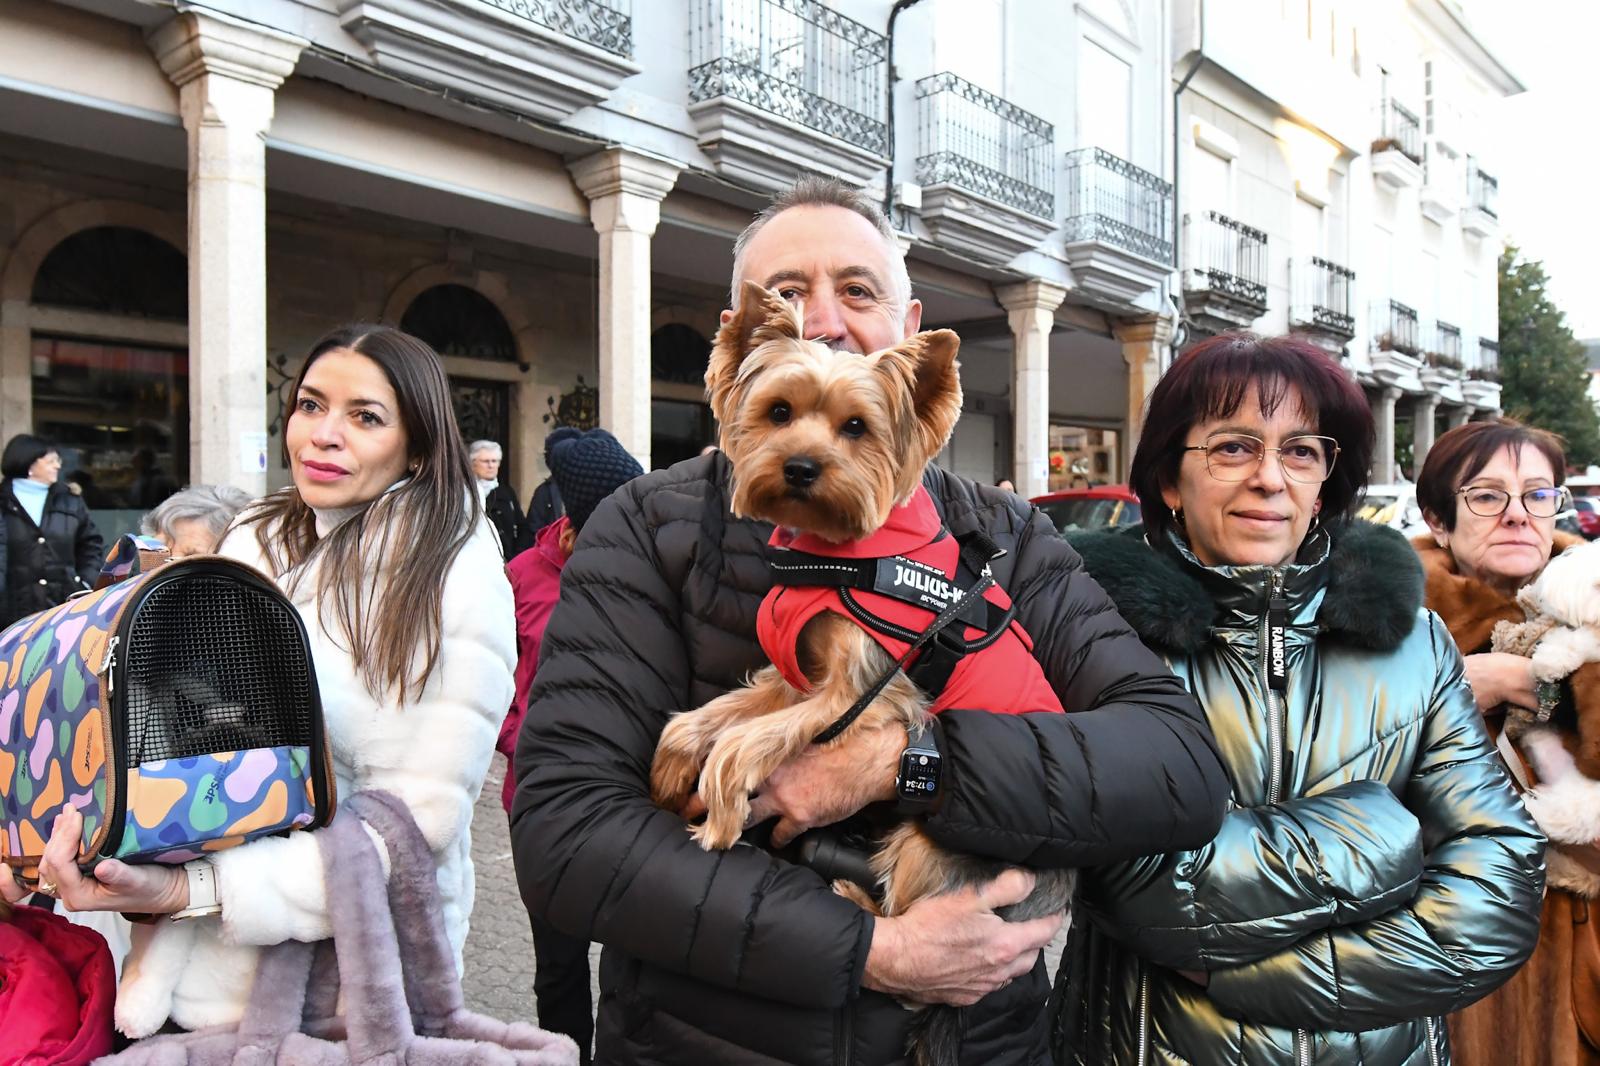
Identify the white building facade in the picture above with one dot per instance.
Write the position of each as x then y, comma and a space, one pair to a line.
1334, 179
548, 191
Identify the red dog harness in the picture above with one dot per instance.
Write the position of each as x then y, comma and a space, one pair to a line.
893, 584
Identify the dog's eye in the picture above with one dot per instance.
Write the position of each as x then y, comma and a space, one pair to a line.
853, 427
779, 413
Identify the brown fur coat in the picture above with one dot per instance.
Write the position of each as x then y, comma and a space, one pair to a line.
1549, 1013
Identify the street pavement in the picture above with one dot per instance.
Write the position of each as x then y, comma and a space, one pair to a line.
499, 952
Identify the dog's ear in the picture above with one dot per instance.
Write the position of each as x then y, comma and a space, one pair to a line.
762, 315
925, 368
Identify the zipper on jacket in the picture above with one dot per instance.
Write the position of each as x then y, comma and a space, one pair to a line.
1144, 1015
844, 1036
1272, 623
1433, 1043
1274, 681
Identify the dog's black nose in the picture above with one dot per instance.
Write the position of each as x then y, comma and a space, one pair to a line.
800, 471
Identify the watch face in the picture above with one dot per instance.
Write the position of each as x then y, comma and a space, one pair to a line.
919, 775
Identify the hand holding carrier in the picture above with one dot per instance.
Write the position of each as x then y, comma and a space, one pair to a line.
176, 708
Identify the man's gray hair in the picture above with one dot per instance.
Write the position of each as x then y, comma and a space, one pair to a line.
484, 446
815, 191
214, 505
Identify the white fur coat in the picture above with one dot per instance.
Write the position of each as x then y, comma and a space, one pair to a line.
432, 753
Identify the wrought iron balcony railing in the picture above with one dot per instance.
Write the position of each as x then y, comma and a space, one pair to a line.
1396, 328
798, 59
1399, 129
1109, 199
606, 24
971, 138
1231, 256
1445, 351
1322, 296
1483, 190
1487, 366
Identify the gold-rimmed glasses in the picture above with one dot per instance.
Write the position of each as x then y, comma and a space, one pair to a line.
1306, 458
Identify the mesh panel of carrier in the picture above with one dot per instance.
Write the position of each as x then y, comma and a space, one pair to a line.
213, 665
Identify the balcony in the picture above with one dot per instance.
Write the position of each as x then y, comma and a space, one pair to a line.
1481, 388
1441, 194
542, 58
1397, 355
1397, 153
781, 88
1119, 227
1225, 285
1480, 216
1321, 305
986, 170
1442, 363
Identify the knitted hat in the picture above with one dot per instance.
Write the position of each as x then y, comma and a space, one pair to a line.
588, 467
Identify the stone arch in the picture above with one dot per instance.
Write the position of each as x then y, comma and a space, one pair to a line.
22, 264
487, 283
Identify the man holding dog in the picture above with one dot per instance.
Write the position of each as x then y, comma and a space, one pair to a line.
746, 957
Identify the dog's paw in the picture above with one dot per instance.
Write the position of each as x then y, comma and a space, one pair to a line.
721, 829
857, 895
673, 776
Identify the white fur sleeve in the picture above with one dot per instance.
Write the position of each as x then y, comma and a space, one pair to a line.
432, 753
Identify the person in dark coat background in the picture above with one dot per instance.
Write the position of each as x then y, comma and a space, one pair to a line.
546, 504
499, 500
52, 546
747, 956
588, 467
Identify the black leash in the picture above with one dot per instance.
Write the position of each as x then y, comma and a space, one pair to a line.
970, 551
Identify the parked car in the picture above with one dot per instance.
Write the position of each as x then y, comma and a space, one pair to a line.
1102, 507
1587, 511
1394, 506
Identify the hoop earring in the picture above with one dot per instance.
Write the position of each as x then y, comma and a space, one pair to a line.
1177, 517
1316, 523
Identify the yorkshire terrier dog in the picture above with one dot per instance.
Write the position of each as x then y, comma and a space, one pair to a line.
831, 446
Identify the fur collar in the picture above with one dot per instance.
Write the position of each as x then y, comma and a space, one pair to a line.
1374, 589
1469, 607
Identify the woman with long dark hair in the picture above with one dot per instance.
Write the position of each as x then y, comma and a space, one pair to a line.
1376, 871
383, 547
51, 548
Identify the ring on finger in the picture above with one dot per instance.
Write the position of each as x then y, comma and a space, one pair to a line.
47, 887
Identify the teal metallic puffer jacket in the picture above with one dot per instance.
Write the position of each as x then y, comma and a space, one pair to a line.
1376, 870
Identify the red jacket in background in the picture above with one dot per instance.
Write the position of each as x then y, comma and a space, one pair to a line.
536, 584
57, 988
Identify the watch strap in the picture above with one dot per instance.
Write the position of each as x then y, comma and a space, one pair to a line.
204, 898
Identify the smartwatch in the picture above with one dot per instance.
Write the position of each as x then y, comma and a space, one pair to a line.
916, 786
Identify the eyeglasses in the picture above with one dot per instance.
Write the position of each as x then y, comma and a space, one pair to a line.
1492, 503
1235, 456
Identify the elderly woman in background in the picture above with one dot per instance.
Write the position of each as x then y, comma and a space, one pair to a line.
499, 499
192, 520
1376, 871
1490, 492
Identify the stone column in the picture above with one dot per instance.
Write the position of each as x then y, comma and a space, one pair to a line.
1423, 411
1143, 341
227, 71
625, 190
1457, 416
1030, 310
1383, 472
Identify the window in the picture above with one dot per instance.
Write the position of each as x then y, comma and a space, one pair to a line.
1211, 183
1105, 101
1308, 228
459, 321
117, 412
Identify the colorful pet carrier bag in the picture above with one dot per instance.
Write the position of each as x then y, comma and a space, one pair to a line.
175, 707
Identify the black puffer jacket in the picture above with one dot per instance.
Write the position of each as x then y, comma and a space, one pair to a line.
48, 561
740, 957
